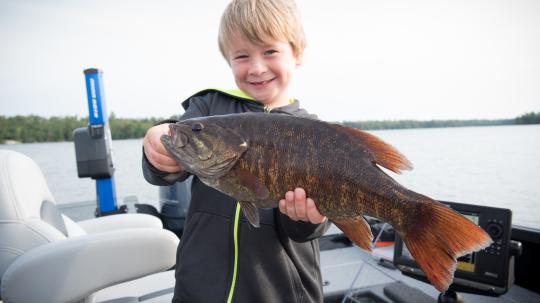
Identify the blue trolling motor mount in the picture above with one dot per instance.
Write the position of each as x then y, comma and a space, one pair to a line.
94, 160
93, 146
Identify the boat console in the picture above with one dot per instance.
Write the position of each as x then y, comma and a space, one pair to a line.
487, 272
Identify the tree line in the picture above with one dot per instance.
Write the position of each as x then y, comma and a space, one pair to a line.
399, 124
28, 129
528, 118
33, 128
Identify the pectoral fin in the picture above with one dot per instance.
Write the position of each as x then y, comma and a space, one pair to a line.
357, 230
251, 212
252, 184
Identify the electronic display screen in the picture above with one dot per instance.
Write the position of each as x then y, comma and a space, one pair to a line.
466, 262
489, 268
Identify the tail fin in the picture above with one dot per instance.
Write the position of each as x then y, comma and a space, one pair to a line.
440, 237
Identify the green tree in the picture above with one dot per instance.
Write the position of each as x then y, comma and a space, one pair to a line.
529, 118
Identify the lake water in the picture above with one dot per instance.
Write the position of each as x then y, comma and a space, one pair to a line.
497, 166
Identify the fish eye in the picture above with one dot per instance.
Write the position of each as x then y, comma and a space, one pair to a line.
197, 127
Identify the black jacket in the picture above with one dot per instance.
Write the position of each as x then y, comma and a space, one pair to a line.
221, 257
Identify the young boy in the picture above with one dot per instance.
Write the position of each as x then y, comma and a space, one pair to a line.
221, 258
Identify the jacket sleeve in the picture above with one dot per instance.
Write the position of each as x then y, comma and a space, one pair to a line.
300, 231
155, 176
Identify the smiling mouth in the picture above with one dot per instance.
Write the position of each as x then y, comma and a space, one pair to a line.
261, 83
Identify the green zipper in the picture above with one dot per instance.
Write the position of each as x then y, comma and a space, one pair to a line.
235, 266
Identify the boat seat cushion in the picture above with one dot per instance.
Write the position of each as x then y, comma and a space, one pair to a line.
51, 215
40, 246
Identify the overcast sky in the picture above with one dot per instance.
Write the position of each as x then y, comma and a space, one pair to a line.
366, 60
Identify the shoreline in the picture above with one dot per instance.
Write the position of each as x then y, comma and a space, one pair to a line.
15, 142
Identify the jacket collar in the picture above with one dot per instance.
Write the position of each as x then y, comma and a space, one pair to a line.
291, 108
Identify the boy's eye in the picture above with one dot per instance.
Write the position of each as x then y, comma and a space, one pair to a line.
238, 57
270, 52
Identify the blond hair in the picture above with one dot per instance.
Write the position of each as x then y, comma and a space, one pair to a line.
260, 21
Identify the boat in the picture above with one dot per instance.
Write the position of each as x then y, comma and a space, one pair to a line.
47, 257
99, 252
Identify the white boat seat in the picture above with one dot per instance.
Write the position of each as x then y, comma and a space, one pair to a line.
47, 257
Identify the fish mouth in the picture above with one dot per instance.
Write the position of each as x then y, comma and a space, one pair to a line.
178, 138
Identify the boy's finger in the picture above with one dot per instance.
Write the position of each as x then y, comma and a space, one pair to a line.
158, 158
313, 213
159, 147
289, 204
161, 162
153, 137
282, 206
300, 203
158, 153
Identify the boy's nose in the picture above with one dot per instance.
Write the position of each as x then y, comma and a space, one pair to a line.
257, 67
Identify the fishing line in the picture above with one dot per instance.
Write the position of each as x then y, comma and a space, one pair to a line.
368, 261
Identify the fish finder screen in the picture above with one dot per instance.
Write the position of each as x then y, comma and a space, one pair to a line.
465, 263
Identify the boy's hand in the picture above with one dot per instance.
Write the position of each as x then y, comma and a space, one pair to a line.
156, 153
297, 207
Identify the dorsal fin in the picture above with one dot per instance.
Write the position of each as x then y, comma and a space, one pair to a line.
383, 153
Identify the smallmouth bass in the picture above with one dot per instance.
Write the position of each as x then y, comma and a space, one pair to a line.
257, 157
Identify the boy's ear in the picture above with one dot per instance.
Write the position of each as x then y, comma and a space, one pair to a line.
299, 59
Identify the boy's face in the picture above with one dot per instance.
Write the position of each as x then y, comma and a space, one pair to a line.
263, 71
